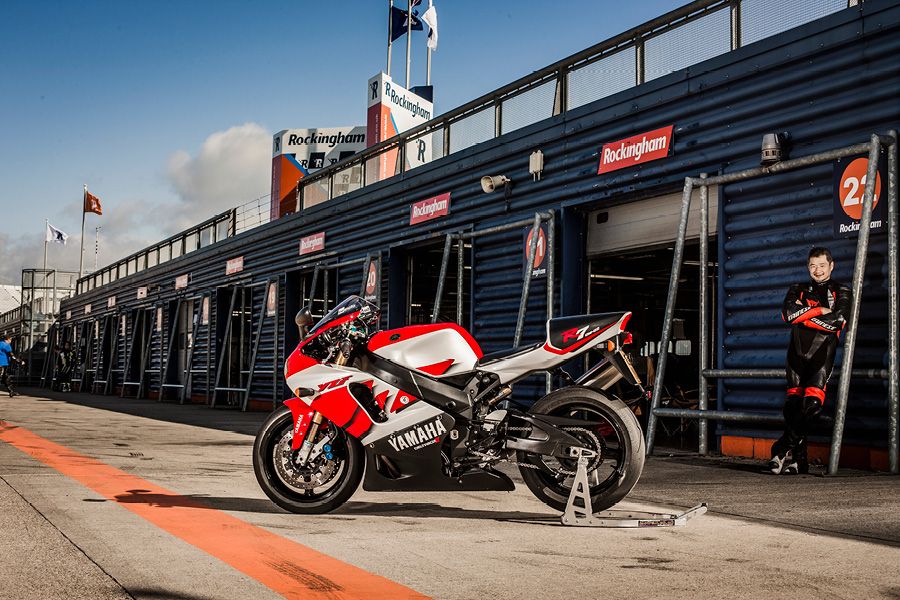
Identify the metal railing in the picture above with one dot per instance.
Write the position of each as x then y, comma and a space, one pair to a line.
872, 148
646, 52
210, 231
252, 214
539, 219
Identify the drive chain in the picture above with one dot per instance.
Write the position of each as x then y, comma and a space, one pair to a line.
591, 466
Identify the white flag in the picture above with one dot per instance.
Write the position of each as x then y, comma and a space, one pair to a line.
56, 235
430, 17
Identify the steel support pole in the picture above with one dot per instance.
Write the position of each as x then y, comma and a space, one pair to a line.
893, 401
703, 397
551, 244
859, 267
226, 348
365, 277
312, 288
526, 286
442, 277
460, 272
670, 311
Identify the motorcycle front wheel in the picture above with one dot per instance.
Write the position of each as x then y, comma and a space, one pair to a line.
611, 430
324, 483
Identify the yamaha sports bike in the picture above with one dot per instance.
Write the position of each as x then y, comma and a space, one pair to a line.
421, 408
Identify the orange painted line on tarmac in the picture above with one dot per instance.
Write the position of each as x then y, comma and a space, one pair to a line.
284, 566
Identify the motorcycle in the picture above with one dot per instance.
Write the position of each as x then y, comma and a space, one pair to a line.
421, 408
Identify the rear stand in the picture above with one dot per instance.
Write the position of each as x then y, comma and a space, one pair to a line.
579, 513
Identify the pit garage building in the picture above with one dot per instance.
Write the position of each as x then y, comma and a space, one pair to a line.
596, 148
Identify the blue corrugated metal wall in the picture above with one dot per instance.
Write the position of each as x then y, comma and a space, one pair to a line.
830, 83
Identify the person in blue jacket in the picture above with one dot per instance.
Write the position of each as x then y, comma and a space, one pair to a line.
6, 359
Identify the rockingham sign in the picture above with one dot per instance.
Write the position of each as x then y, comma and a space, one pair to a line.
431, 208
635, 150
298, 152
391, 110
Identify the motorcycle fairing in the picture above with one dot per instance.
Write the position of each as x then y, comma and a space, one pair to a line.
438, 350
333, 398
584, 332
567, 334
410, 459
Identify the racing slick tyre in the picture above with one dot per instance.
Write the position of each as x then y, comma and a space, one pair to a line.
325, 482
613, 432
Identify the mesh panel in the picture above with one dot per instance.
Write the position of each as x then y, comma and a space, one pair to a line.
472, 130
382, 165
602, 78
763, 18
315, 192
528, 107
424, 148
347, 180
687, 45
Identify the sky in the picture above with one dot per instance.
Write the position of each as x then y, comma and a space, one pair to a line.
166, 110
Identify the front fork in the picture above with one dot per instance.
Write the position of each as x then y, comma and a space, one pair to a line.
307, 421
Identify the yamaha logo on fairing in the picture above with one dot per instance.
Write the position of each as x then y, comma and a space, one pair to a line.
418, 436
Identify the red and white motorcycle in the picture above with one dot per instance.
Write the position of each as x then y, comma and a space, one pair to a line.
420, 408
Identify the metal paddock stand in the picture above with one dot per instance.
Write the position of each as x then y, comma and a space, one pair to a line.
580, 514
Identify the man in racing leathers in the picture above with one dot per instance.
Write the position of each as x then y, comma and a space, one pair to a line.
817, 311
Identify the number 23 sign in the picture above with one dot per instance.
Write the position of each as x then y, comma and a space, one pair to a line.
849, 188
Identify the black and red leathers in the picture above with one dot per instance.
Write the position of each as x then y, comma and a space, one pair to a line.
817, 312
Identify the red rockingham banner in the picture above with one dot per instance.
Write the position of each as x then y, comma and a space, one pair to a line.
312, 243
637, 149
430, 209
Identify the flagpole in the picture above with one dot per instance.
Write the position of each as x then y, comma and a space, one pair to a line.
390, 33
428, 60
409, 7
81, 261
46, 229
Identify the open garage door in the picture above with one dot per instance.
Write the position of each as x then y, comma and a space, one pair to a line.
629, 250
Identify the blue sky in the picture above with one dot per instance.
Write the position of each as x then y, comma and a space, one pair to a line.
166, 109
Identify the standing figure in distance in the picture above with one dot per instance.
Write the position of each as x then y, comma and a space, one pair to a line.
65, 362
6, 359
817, 310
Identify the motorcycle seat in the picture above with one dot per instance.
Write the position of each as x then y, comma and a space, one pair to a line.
501, 354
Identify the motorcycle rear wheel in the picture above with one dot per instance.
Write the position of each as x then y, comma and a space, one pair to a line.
618, 440
319, 487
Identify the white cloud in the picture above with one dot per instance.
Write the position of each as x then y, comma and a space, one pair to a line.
232, 167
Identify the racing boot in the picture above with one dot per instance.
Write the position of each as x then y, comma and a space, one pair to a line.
781, 460
799, 460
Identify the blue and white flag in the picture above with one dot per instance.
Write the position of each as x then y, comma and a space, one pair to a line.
56, 235
430, 19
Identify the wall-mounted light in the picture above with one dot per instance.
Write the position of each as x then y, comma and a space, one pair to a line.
489, 183
774, 148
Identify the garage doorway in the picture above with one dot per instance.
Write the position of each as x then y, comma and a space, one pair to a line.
423, 269
630, 248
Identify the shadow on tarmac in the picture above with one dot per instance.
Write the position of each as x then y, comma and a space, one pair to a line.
347, 511
427, 509
167, 594
253, 505
225, 419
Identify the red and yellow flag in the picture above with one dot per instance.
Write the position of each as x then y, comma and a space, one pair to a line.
92, 203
